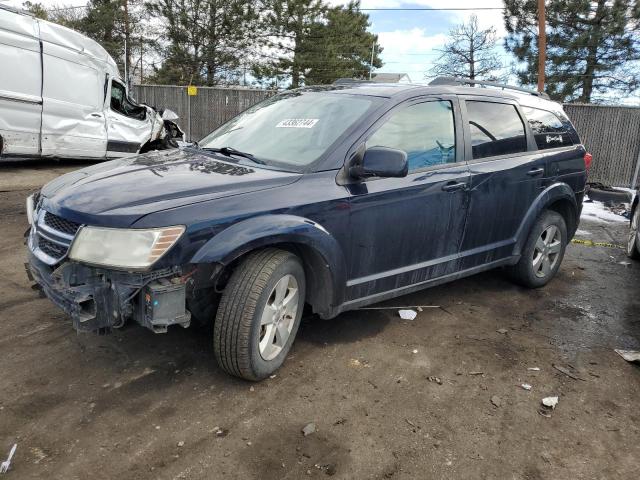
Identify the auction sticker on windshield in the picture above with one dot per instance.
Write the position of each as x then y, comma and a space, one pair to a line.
297, 123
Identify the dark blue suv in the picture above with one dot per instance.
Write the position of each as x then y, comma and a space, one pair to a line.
332, 197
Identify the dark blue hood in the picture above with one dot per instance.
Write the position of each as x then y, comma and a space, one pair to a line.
119, 192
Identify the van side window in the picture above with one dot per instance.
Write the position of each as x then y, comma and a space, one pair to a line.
496, 129
548, 130
123, 105
425, 131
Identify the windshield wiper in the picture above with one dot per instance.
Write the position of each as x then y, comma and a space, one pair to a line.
229, 151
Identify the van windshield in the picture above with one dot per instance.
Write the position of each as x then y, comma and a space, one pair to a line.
292, 129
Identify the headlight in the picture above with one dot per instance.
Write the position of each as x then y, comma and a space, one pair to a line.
31, 207
123, 248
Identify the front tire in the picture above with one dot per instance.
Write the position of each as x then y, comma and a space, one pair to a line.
633, 243
259, 314
543, 251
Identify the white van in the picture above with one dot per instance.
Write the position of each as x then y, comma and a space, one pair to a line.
61, 96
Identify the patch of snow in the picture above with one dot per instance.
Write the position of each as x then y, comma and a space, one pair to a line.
597, 212
583, 233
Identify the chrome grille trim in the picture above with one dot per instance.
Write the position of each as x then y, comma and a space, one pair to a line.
58, 240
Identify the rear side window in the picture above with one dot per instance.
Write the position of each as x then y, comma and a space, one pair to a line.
548, 130
425, 131
496, 129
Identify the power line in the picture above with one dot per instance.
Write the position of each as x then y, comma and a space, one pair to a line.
428, 9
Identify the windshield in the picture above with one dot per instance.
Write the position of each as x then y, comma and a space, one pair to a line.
292, 129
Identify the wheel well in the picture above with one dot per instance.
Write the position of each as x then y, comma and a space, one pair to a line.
317, 274
568, 211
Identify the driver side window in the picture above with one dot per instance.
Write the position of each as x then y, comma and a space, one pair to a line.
120, 103
425, 131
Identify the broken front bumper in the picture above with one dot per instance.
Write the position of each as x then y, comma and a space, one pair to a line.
97, 298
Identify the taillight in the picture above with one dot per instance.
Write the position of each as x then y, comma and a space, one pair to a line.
588, 158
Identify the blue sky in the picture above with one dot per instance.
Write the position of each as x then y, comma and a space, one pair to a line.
411, 39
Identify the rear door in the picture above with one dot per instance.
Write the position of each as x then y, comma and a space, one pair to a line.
557, 139
506, 178
20, 85
405, 231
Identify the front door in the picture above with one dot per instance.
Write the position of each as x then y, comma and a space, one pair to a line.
130, 125
406, 231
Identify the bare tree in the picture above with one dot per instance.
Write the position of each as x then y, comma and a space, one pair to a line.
470, 52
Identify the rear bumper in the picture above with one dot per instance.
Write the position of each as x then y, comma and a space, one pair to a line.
97, 299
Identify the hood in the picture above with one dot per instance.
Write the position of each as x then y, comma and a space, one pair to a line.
118, 192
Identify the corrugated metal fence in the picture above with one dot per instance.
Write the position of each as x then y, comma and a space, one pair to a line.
610, 133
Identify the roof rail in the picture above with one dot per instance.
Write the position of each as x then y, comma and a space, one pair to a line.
469, 81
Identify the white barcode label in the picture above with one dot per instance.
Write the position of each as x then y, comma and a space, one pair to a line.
297, 123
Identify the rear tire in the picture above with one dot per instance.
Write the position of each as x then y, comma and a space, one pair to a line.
259, 314
543, 251
633, 242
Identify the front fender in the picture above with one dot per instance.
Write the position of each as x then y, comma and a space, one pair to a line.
551, 194
258, 232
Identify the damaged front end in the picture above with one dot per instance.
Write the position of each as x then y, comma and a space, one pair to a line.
99, 298
165, 132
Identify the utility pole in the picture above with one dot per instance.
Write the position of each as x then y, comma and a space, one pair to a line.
542, 44
373, 51
126, 43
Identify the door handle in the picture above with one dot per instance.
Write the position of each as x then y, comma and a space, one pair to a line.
454, 187
535, 172
96, 115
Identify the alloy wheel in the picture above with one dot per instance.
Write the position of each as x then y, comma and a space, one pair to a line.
278, 317
547, 251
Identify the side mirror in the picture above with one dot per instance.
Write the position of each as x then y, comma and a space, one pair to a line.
381, 162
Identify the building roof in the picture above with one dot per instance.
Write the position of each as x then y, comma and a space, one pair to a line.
390, 78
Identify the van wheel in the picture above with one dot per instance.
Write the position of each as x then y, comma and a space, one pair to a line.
633, 244
543, 252
259, 314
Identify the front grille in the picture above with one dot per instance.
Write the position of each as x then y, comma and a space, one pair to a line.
51, 236
52, 249
60, 224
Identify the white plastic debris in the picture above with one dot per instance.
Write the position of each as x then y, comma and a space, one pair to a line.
526, 386
550, 402
407, 314
629, 355
308, 429
6, 465
534, 369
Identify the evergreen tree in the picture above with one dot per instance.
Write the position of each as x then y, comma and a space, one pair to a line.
287, 24
340, 47
470, 52
315, 44
592, 46
206, 40
37, 9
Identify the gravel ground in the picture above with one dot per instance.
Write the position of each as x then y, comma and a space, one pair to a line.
436, 397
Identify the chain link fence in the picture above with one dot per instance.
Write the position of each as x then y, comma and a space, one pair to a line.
610, 133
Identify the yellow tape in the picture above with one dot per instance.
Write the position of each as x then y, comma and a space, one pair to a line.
591, 243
